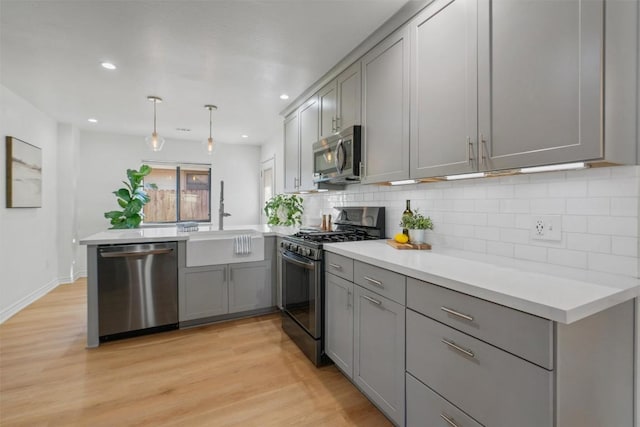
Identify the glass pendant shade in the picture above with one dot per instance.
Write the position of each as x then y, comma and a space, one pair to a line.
154, 141
210, 146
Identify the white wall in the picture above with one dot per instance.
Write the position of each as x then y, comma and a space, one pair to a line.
28, 249
493, 216
105, 157
68, 169
274, 148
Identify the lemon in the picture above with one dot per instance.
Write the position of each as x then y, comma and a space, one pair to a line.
401, 238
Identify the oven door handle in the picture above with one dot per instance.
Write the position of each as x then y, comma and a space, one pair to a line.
309, 265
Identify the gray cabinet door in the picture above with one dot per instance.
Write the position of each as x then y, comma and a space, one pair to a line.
540, 81
444, 89
250, 286
385, 109
308, 115
339, 322
291, 153
349, 97
379, 351
327, 105
203, 292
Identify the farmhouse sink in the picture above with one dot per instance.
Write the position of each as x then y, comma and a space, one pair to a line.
217, 247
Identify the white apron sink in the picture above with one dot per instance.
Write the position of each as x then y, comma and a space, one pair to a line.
217, 247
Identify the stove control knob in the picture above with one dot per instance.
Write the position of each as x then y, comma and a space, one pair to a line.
310, 252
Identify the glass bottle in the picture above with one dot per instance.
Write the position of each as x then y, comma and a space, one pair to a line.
407, 212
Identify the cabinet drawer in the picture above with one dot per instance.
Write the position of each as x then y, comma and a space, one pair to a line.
525, 335
492, 386
339, 265
426, 408
384, 282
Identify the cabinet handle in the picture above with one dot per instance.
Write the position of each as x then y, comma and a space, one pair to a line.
374, 281
333, 124
348, 298
457, 313
458, 348
469, 150
336, 266
449, 420
337, 124
482, 148
375, 301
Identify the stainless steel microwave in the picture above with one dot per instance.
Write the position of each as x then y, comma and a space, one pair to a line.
336, 159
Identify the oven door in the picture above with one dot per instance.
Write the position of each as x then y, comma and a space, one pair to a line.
301, 291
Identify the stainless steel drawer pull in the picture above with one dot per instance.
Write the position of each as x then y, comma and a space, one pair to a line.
374, 281
449, 420
457, 313
336, 266
375, 301
458, 348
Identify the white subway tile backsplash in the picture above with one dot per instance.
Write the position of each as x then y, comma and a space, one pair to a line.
531, 253
569, 258
589, 242
589, 206
599, 209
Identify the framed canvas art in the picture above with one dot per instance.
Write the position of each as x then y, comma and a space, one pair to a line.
24, 174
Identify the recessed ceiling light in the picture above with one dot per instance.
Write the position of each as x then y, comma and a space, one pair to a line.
284, 96
92, 120
183, 129
245, 136
108, 65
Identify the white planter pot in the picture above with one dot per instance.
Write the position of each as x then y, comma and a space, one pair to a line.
417, 236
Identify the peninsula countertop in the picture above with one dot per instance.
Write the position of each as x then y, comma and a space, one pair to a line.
171, 233
562, 294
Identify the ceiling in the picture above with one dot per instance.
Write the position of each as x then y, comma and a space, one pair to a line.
239, 55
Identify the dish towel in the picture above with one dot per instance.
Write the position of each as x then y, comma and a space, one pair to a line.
242, 244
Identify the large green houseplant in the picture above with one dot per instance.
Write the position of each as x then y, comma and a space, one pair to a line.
131, 199
284, 209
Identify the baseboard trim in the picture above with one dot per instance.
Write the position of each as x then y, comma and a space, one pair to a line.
28, 299
78, 274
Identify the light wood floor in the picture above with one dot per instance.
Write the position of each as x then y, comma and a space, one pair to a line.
245, 372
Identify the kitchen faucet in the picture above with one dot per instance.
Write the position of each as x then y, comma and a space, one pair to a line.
221, 212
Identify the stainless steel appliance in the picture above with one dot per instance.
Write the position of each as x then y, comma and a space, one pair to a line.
336, 159
137, 289
303, 274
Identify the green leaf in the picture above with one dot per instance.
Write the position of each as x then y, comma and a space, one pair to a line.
145, 170
128, 185
113, 214
133, 221
133, 208
123, 193
122, 203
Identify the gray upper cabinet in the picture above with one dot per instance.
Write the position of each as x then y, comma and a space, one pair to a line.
250, 286
327, 97
308, 114
444, 89
291, 153
340, 102
300, 132
385, 109
540, 82
339, 322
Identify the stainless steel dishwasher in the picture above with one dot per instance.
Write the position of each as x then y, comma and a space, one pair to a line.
137, 289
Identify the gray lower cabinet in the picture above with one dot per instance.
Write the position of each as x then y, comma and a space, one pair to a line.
338, 335
203, 292
250, 286
427, 408
379, 350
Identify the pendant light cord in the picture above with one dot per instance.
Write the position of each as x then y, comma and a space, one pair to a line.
210, 121
154, 115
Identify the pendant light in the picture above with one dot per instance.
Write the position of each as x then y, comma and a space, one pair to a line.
154, 141
210, 145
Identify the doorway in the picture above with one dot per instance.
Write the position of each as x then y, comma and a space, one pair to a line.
267, 184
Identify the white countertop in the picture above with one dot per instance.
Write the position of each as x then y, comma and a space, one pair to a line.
566, 297
171, 233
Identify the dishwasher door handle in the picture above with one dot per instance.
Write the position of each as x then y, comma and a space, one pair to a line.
135, 253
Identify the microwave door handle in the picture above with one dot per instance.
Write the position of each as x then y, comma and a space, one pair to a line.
340, 162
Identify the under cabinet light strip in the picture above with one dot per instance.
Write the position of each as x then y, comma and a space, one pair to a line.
403, 182
550, 168
465, 176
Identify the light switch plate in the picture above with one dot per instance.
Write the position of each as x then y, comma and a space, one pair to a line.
546, 227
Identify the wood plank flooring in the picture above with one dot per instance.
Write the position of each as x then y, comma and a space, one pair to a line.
245, 372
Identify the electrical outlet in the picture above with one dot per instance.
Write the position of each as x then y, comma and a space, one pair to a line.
546, 227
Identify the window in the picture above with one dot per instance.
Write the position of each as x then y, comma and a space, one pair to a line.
182, 193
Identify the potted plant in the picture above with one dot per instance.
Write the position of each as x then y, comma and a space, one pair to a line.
131, 199
284, 209
416, 224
